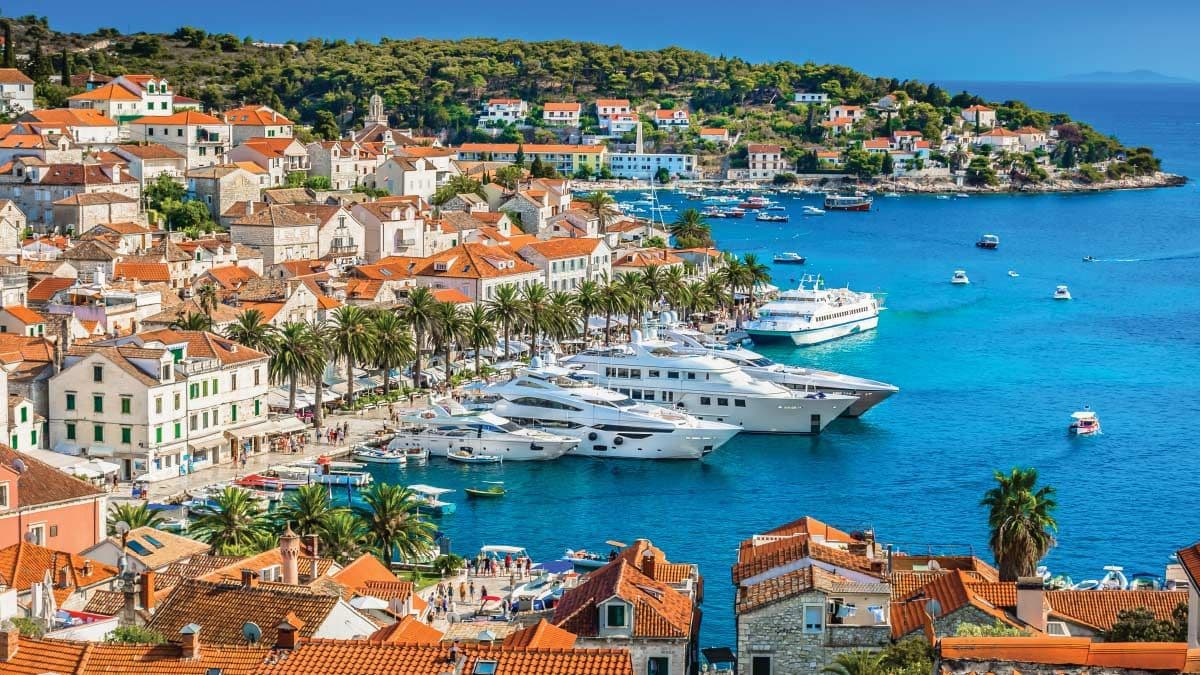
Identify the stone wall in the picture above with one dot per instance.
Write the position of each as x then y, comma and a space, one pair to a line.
777, 631
965, 667
641, 649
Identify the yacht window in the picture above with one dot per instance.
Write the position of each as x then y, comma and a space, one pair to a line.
609, 371
704, 400
723, 401
623, 373
637, 394
625, 402
668, 396
635, 373
594, 401
510, 427
739, 403
691, 376
653, 373
761, 363
673, 374
649, 395
543, 403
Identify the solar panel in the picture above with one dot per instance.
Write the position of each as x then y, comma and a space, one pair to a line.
153, 542
138, 548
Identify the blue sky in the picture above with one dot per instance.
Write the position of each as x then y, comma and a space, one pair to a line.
926, 39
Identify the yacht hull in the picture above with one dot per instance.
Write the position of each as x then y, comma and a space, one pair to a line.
766, 332
509, 450
869, 392
682, 444
798, 415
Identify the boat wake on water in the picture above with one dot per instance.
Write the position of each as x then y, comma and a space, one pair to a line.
1192, 255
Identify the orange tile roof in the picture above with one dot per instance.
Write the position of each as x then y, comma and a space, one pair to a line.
364, 657
756, 596
952, 592
451, 295
204, 344
562, 107
14, 76
1029, 130
877, 143
503, 101
223, 608
714, 131
658, 610
150, 151
473, 261
408, 631
1189, 559
648, 257
978, 108
1067, 651
109, 92
533, 148
25, 315
542, 634
1099, 609
36, 656
612, 102
254, 115
812, 527
24, 564
15, 348
564, 247
1000, 132
837, 122
664, 570
42, 484
231, 277
754, 560
180, 118
668, 114
142, 271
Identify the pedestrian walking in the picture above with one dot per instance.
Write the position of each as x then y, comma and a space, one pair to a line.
462, 591
471, 589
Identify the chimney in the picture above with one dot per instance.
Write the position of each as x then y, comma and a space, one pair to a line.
146, 591
289, 551
250, 208
288, 632
311, 542
649, 564
63, 579
1031, 596
10, 638
190, 639
249, 579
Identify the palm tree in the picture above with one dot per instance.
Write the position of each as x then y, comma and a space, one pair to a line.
233, 525
535, 301
735, 276
654, 282
857, 662
294, 356
393, 522
306, 509
673, 282
449, 326
457, 185
419, 315
395, 342
1022, 527
562, 316
353, 339
192, 321
251, 330
206, 297
690, 229
636, 296
756, 273
612, 301
479, 331
322, 338
587, 301
504, 306
714, 288
343, 536
603, 205
134, 516
696, 297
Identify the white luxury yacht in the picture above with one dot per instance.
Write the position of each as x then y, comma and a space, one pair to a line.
812, 314
450, 427
870, 393
606, 423
712, 388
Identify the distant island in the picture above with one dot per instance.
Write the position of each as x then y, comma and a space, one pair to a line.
1142, 76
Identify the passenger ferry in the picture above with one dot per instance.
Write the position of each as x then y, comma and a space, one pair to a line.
812, 314
855, 202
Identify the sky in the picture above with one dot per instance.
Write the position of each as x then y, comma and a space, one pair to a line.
1014, 40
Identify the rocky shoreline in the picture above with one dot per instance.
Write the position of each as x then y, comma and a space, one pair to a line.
931, 186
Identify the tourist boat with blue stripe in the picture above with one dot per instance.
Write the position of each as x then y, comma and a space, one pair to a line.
812, 314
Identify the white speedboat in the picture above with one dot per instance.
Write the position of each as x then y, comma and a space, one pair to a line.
869, 393
1084, 423
708, 387
450, 427
959, 278
1062, 292
813, 211
326, 471
1013, 274
789, 258
468, 456
429, 498
605, 422
812, 314
365, 453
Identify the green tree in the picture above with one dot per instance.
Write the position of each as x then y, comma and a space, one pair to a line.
691, 230
1020, 517
307, 509
133, 515
250, 329
234, 524
756, 274
396, 345
857, 662
913, 656
391, 517
509, 176
10, 58
326, 126
66, 68
28, 627
662, 175
193, 321
457, 185
161, 191
994, 629
296, 179
449, 328
505, 307
322, 338
318, 183
206, 297
980, 172
587, 300
343, 536
535, 301
135, 635
353, 339
420, 313
1141, 625
519, 158
480, 331
604, 206
294, 357
613, 301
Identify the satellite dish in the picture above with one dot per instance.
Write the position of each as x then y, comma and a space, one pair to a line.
251, 632
122, 527
30, 537
18, 465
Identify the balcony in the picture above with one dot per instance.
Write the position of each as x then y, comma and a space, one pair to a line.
196, 366
346, 246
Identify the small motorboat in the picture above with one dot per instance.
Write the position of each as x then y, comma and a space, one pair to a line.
789, 258
813, 211
943, 197
989, 242
416, 455
1062, 292
1114, 579
1013, 274
891, 194
1086, 585
777, 207
429, 497
1084, 423
364, 453
735, 213
496, 489
1145, 581
959, 278
713, 212
466, 455
1088, 258
755, 203
770, 217
586, 560
961, 195
854, 202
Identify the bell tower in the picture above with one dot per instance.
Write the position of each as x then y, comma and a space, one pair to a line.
375, 113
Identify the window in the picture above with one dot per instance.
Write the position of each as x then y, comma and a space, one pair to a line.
98, 403
70, 431
126, 405
3, 495
204, 388
166, 371
233, 382
193, 391
178, 400
24, 414
615, 616
158, 434
656, 665
126, 435
37, 534
98, 433
653, 373
723, 401
739, 403
691, 376
814, 616
233, 412
256, 378
484, 668
672, 374
33, 442
53, 530
704, 400
158, 405
178, 430
760, 665
70, 401
216, 386
194, 423
257, 404
12, 441
97, 373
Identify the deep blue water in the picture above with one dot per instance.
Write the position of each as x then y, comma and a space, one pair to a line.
989, 375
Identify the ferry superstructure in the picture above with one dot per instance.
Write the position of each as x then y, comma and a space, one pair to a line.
607, 423
656, 371
812, 314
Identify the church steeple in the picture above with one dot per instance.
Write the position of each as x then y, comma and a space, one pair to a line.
375, 113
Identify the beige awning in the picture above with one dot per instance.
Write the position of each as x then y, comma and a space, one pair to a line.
252, 430
286, 425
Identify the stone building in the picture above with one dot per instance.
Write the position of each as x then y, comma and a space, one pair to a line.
222, 186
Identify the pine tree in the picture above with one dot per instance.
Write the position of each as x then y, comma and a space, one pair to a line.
66, 68
537, 169
39, 66
10, 58
519, 160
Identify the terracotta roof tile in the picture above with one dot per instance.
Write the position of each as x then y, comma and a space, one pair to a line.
407, 631
473, 261
223, 608
149, 151
551, 106
1069, 651
1099, 609
142, 271
24, 564
84, 174
756, 596
533, 148
658, 610
664, 570
755, 560
542, 634
564, 247
25, 315
180, 118
451, 295
43, 484
231, 277
952, 591
254, 115
109, 92
1189, 559
40, 655
649, 257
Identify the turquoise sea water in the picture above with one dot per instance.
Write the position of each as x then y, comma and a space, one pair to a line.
989, 374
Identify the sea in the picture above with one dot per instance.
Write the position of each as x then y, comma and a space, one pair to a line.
989, 375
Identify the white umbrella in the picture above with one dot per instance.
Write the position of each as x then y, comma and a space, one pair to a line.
368, 602
103, 467
84, 471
